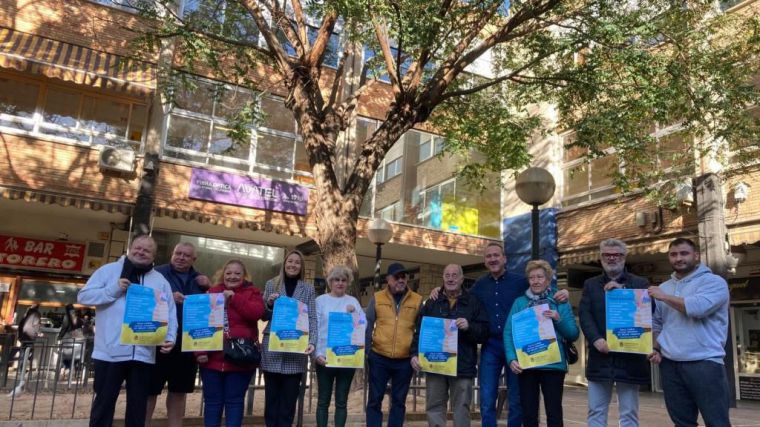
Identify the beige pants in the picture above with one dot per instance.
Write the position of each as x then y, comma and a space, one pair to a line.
439, 389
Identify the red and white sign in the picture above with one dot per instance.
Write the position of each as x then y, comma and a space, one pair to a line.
36, 254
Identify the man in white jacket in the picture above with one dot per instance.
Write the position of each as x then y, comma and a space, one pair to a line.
115, 363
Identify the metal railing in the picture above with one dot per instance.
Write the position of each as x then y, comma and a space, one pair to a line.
52, 380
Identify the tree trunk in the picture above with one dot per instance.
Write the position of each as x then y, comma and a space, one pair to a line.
336, 220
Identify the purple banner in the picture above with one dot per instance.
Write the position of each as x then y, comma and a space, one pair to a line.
250, 192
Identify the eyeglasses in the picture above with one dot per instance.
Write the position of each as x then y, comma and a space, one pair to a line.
400, 275
613, 255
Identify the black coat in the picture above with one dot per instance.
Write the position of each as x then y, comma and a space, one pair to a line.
623, 367
467, 307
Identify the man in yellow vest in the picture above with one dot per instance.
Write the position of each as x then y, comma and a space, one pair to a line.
391, 319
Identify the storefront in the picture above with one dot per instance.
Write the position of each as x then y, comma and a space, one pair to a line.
745, 323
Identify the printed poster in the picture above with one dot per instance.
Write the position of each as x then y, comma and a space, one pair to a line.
345, 339
534, 337
629, 320
289, 332
146, 316
203, 322
438, 346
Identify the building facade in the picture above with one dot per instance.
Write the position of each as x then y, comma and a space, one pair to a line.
587, 208
79, 119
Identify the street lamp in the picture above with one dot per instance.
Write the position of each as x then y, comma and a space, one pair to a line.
379, 232
535, 186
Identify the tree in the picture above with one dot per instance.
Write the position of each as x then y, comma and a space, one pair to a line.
611, 68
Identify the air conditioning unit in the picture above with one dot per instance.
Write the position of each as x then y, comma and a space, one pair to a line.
117, 159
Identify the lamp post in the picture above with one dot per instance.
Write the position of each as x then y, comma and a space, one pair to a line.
379, 232
535, 186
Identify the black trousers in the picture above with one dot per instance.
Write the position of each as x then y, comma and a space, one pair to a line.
108, 379
550, 383
281, 393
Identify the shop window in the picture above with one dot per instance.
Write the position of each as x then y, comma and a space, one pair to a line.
71, 114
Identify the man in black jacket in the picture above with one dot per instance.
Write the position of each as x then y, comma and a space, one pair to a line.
472, 324
627, 371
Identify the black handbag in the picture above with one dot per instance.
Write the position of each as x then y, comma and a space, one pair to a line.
240, 351
571, 352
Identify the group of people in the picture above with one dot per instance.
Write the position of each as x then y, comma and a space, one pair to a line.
690, 322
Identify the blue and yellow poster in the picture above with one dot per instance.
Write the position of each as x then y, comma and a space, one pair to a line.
203, 322
535, 338
146, 316
438, 346
289, 332
629, 320
345, 339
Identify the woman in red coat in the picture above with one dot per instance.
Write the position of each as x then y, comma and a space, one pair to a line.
225, 383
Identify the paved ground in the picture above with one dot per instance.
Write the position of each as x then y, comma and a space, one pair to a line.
652, 413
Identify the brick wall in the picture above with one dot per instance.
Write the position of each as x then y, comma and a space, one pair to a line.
54, 167
589, 225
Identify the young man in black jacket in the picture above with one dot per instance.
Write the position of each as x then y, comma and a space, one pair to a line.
453, 302
626, 371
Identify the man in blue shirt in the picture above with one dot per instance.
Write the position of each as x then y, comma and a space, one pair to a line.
177, 368
497, 290
690, 329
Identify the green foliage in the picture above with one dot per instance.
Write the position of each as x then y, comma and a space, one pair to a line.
612, 70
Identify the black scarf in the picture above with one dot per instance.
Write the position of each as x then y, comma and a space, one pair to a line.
133, 272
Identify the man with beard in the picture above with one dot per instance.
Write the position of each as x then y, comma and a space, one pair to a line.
114, 362
690, 327
391, 318
177, 368
605, 369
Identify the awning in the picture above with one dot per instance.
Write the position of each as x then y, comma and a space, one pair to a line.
744, 235
72, 63
65, 200
226, 221
590, 254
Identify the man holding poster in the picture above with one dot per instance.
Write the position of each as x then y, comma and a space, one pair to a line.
606, 368
177, 368
469, 320
115, 362
690, 327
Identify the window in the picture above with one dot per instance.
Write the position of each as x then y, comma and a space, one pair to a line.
228, 19
430, 145
393, 164
198, 131
332, 53
585, 180
393, 212
433, 200
377, 68
43, 109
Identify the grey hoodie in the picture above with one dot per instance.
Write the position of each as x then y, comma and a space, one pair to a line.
701, 333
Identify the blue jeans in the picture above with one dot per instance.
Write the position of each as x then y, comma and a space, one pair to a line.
599, 397
492, 363
224, 390
399, 372
692, 387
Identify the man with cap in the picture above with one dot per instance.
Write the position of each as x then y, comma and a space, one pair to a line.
391, 319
